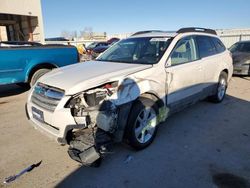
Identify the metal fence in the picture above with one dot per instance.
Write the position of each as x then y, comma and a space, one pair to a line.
227, 39
74, 43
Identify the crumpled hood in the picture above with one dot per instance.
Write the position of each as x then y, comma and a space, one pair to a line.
82, 76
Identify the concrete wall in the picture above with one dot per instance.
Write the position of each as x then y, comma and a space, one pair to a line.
231, 36
25, 8
21, 7
228, 36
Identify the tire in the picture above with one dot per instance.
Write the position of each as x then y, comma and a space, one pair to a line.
220, 89
139, 133
39, 73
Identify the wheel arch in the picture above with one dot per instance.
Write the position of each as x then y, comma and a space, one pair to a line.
37, 67
125, 109
227, 72
153, 96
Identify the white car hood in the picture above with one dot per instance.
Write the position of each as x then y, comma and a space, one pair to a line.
82, 76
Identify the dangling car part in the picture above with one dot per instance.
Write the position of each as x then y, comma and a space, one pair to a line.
89, 146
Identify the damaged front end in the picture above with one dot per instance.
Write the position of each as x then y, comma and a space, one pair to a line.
88, 146
93, 111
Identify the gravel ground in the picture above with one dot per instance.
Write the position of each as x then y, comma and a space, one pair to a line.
206, 145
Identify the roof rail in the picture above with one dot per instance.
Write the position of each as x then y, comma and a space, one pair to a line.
148, 31
197, 29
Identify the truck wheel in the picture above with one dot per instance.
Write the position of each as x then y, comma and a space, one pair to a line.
221, 89
142, 124
39, 73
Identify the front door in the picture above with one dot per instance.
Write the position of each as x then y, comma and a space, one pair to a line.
185, 74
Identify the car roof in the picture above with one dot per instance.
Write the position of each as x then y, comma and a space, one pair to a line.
170, 34
246, 41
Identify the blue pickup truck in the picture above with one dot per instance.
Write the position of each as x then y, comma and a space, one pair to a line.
26, 62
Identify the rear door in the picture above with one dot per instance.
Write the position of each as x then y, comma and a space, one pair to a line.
185, 74
211, 59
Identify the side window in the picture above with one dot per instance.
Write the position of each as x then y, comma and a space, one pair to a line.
218, 44
235, 47
206, 47
185, 51
245, 47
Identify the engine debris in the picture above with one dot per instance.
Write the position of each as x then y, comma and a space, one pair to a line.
89, 146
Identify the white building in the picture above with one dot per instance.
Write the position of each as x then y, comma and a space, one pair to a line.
228, 36
21, 20
231, 36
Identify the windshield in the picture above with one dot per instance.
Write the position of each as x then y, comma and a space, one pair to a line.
146, 50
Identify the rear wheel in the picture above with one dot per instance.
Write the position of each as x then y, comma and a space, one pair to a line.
142, 124
39, 73
221, 89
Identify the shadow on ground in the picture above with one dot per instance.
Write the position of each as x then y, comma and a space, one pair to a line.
192, 149
11, 90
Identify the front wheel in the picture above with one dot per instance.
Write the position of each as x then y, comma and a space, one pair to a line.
142, 124
221, 89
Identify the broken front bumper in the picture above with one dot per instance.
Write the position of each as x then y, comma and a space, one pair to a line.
54, 124
88, 146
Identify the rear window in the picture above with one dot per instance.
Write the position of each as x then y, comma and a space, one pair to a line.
235, 47
206, 47
240, 47
218, 44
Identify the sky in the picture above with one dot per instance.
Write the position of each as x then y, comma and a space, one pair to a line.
113, 16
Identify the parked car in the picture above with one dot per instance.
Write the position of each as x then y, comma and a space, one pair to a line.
100, 49
89, 49
241, 57
129, 90
56, 39
95, 44
25, 62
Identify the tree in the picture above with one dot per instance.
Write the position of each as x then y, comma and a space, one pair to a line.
87, 33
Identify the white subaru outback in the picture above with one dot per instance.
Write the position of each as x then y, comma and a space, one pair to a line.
129, 90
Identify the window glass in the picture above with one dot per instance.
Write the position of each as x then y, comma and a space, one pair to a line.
185, 51
206, 47
235, 47
144, 50
245, 47
218, 44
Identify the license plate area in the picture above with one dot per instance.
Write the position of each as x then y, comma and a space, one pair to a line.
37, 114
